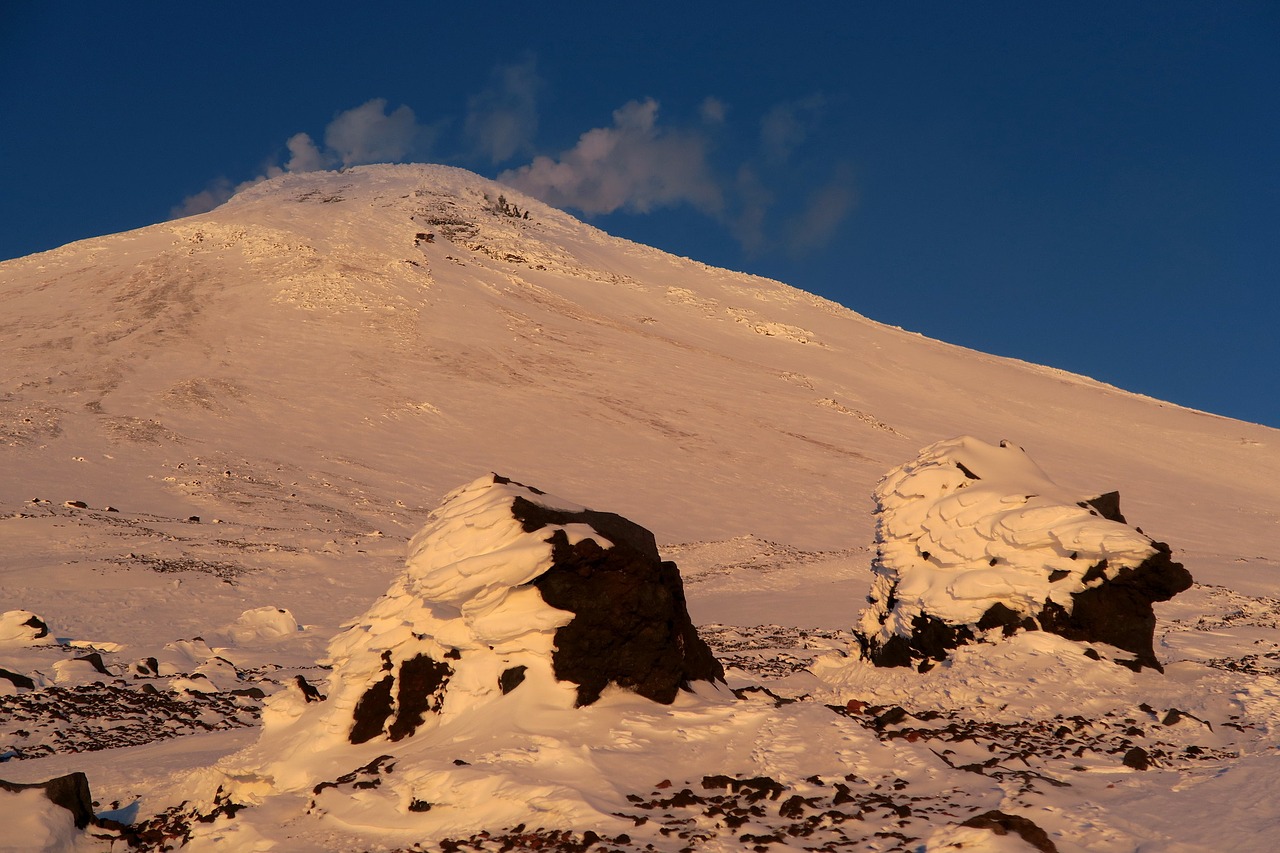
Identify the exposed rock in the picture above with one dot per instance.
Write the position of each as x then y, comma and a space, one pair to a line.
1137, 758
18, 679
507, 592
1003, 824
631, 626
973, 539
71, 792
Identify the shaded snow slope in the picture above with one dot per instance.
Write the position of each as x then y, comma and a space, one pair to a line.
219, 434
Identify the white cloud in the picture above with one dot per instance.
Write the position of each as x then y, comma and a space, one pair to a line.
304, 156
367, 134
712, 110
633, 165
207, 199
754, 199
503, 119
363, 134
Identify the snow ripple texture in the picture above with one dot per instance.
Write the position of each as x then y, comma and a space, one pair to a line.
462, 599
967, 525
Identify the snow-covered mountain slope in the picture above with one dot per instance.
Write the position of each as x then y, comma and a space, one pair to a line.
272, 396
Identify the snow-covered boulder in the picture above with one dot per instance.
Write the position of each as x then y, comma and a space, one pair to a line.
505, 589
44, 815
975, 540
22, 628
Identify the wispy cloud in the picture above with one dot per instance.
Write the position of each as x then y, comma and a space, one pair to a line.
786, 126
360, 135
775, 198
502, 120
633, 165
369, 134
754, 200
826, 208
207, 199
713, 110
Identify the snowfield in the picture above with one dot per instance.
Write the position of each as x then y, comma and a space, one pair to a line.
222, 440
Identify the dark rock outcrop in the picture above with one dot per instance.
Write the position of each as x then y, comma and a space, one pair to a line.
70, 791
507, 587
631, 626
1002, 824
1118, 611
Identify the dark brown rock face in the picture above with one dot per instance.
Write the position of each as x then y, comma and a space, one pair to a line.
631, 626
70, 791
1003, 824
627, 620
419, 686
1118, 610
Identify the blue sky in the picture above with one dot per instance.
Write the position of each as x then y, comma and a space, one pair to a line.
1093, 186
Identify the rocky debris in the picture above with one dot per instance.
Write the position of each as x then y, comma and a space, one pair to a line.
771, 651
164, 565
175, 824
1032, 752
91, 717
91, 699
975, 542
818, 813
746, 813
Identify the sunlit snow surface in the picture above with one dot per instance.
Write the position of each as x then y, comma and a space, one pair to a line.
272, 397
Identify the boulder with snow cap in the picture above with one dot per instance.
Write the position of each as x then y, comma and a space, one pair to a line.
507, 590
975, 540
22, 628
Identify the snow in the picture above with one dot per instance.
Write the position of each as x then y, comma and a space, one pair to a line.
21, 628
460, 602
31, 822
968, 525
298, 366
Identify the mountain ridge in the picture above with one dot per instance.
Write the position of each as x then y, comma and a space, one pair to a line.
408, 294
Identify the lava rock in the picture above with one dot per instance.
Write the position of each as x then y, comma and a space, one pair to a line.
975, 539
507, 591
70, 791
1003, 824
21, 627
631, 626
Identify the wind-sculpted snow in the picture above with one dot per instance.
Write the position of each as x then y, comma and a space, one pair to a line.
973, 537
469, 622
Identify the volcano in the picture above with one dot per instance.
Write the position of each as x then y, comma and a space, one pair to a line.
219, 434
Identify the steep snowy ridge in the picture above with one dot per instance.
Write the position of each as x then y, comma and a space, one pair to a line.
219, 437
